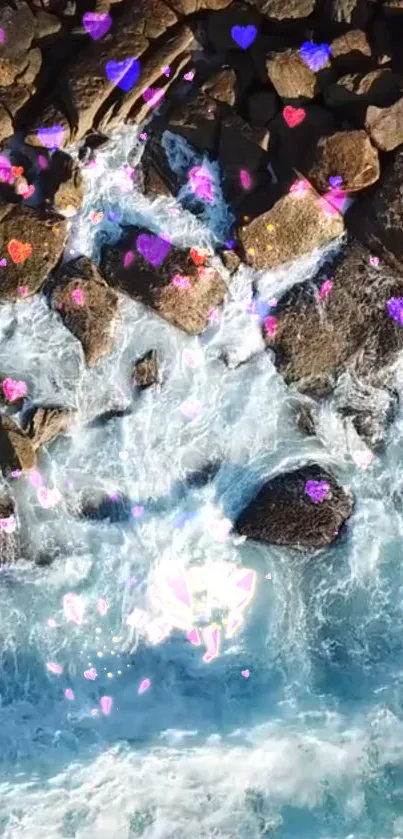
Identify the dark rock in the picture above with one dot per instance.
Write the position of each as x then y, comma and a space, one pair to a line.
262, 106
283, 513
294, 147
222, 86
351, 52
219, 26
291, 77
379, 87
146, 370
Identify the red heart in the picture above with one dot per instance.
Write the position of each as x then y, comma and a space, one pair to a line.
27, 192
198, 256
17, 171
19, 251
293, 116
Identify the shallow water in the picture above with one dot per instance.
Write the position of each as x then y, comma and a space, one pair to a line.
310, 742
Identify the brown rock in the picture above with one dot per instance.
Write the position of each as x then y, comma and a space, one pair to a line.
291, 77
348, 154
350, 52
32, 243
187, 302
298, 223
379, 87
88, 308
314, 342
385, 125
62, 184
197, 121
18, 25
222, 86
283, 513
6, 125
46, 26
16, 450
188, 7
354, 12
146, 370
43, 425
262, 106
284, 9
231, 260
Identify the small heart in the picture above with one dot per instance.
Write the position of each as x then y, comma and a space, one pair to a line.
270, 324
19, 251
244, 36
166, 71
181, 281
145, 684
52, 137
23, 290
374, 261
153, 95
13, 389
189, 76
245, 179
317, 490
96, 217
336, 181
90, 674
197, 256
394, 308
325, 289
96, 24
3, 263
17, 171
245, 674
315, 56
152, 248
293, 116
143, 136
124, 74
28, 192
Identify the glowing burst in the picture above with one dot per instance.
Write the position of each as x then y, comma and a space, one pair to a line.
106, 703
299, 188
325, 289
73, 607
201, 184
211, 638
145, 684
57, 669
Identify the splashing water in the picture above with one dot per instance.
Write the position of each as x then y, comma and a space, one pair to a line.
113, 725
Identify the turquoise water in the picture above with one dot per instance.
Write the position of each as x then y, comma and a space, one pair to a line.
310, 742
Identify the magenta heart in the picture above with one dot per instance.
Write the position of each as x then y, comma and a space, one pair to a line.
317, 490
90, 674
3, 263
153, 248
96, 24
153, 95
13, 389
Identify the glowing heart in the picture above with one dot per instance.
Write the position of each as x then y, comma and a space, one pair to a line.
14, 389
143, 136
325, 289
96, 216
166, 71
106, 703
394, 308
181, 281
189, 76
57, 669
317, 490
124, 74
23, 290
69, 694
152, 248
336, 181
3, 263
244, 36
145, 684
197, 256
315, 56
19, 251
153, 95
245, 178
73, 607
78, 296
96, 24
27, 192
51, 137
245, 674
90, 674
17, 171
270, 325
201, 184
293, 116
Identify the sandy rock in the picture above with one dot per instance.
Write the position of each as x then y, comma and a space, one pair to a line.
168, 280
16, 449
314, 340
291, 77
298, 223
348, 154
88, 308
222, 86
32, 243
379, 87
18, 25
284, 9
43, 425
353, 12
231, 260
351, 52
188, 7
6, 125
145, 371
385, 126
283, 513
62, 184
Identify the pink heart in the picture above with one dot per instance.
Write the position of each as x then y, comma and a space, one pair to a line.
245, 673
26, 193
78, 296
145, 684
106, 703
13, 389
189, 76
293, 116
3, 263
153, 95
90, 674
143, 136
23, 290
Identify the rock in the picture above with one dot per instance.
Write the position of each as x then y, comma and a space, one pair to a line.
314, 341
9, 537
187, 302
62, 184
98, 505
46, 26
348, 154
379, 87
6, 125
222, 86
354, 12
385, 125
377, 220
32, 242
298, 223
284, 9
197, 121
87, 307
16, 449
188, 7
18, 24
283, 513
262, 107
291, 77
43, 425
351, 52
146, 370
231, 260
370, 410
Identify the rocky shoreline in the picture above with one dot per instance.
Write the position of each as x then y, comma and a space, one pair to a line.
300, 103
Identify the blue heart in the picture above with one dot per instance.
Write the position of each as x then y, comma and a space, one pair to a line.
244, 36
124, 74
315, 56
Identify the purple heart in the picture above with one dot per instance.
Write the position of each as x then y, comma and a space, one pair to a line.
336, 181
395, 309
124, 74
315, 56
317, 490
244, 36
96, 24
153, 248
51, 137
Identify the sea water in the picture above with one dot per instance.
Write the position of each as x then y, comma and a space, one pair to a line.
294, 729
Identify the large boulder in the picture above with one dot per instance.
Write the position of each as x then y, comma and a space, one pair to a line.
301, 509
385, 125
88, 308
315, 337
346, 154
32, 244
299, 222
179, 285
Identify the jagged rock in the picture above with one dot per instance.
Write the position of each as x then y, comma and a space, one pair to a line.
46, 26
298, 223
88, 308
385, 126
231, 260
315, 340
18, 24
349, 155
146, 370
62, 184
32, 244
283, 513
9, 536
16, 449
165, 278
43, 425
379, 87
284, 9
354, 12
291, 77
197, 121
351, 52
6, 125
188, 7
222, 86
